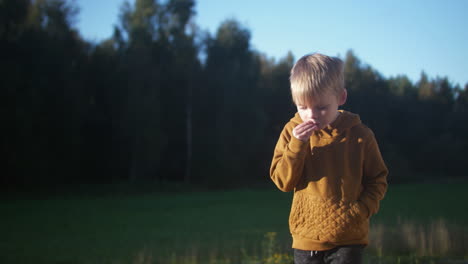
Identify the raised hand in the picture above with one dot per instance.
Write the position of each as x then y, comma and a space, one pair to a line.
304, 130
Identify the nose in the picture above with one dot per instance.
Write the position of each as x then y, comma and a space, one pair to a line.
310, 114
314, 114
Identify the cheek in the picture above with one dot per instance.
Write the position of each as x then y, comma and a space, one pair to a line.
321, 114
303, 116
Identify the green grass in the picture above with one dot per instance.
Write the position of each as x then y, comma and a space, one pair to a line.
426, 202
190, 227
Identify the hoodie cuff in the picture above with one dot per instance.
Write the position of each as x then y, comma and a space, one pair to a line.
296, 145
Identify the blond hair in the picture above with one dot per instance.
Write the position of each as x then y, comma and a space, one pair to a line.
315, 74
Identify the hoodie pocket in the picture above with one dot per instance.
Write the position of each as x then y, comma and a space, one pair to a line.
327, 220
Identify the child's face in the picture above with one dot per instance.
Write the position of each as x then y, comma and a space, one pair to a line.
322, 110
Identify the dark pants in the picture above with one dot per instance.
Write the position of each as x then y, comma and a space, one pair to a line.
339, 255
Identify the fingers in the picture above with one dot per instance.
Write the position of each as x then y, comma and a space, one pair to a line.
313, 124
304, 127
304, 130
304, 136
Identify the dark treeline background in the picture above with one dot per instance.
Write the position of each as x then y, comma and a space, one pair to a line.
162, 100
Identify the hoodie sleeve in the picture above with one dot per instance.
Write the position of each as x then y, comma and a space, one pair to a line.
288, 160
374, 178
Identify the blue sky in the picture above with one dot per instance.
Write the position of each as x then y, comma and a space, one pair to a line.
394, 37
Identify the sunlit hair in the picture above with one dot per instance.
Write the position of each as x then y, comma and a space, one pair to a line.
315, 74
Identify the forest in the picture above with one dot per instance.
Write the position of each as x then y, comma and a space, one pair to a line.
162, 100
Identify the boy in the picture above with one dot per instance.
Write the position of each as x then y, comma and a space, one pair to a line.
332, 163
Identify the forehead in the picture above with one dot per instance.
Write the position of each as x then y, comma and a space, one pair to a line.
317, 100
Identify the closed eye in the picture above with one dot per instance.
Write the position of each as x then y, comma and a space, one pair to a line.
323, 107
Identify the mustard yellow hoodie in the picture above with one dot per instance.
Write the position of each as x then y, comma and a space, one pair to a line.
338, 178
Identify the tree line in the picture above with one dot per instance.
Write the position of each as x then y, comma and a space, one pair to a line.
162, 100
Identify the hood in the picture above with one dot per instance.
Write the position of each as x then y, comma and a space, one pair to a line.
344, 121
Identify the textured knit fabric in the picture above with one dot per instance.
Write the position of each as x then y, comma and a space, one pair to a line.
338, 177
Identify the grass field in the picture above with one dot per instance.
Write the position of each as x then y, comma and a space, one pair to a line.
237, 226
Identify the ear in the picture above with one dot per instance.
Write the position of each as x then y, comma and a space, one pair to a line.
343, 97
